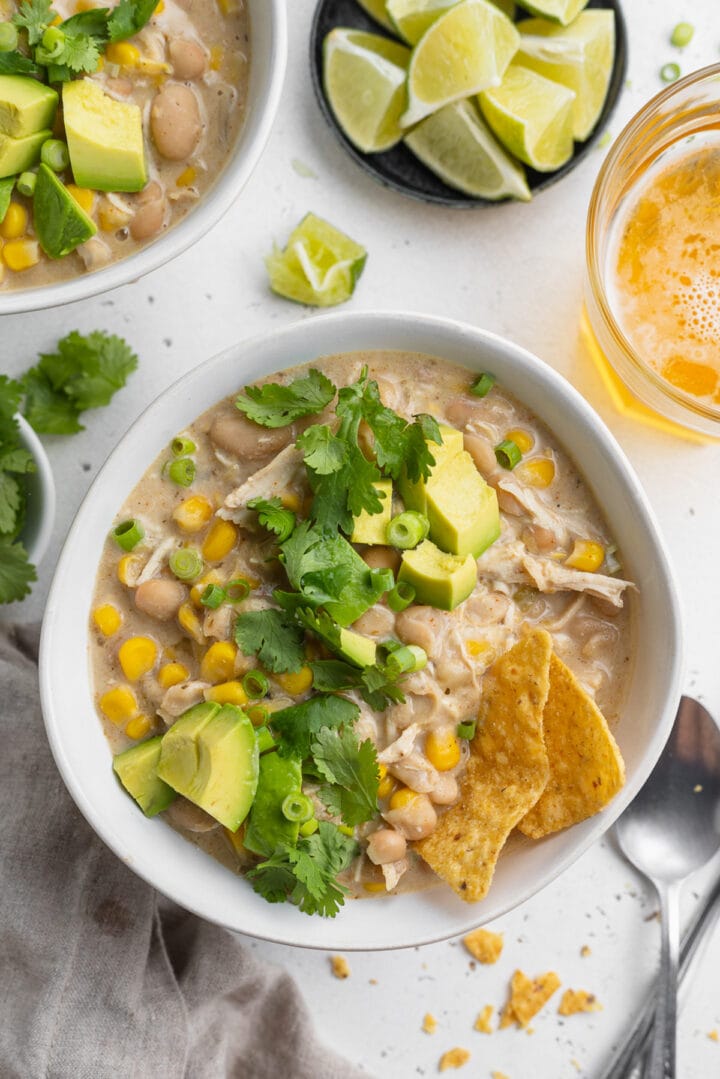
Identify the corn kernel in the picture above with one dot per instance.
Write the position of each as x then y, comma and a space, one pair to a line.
193, 514
15, 222
476, 648
442, 749
21, 255
537, 472
219, 541
218, 663
119, 704
190, 622
586, 555
122, 53
217, 55
402, 797
84, 197
137, 656
522, 439
172, 674
128, 569
386, 786
160, 8
375, 886
228, 7
297, 683
292, 502
107, 618
86, 5
138, 727
187, 177
199, 587
111, 217
227, 693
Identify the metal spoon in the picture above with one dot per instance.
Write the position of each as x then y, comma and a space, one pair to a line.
670, 830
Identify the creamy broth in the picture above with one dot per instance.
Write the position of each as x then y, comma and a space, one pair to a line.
191, 66
522, 581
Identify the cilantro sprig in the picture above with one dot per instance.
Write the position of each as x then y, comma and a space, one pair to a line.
306, 874
350, 771
16, 573
275, 405
273, 636
300, 724
273, 516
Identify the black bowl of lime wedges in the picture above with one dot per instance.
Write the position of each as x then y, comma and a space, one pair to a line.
377, 69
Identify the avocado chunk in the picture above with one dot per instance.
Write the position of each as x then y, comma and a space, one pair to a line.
6, 190
356, 649
439, 579
104, 137
370, 527
267, 826
60, 222
19, 155
136, 768
210, 755
26, 106
462, 508
413, 494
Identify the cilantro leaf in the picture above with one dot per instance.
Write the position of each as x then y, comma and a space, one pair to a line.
129, 17
274, 516
351, 771
323, 452
16, 572
10, 396
273, 637
333, 675
48, 411
299, 724
80, 53
11, 503
275, 405
376, 684
34, 16
15, 63
306, 874
16, 460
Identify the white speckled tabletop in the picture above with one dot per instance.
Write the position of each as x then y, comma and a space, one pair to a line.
516, 270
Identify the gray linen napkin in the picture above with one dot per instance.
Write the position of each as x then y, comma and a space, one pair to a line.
99, 975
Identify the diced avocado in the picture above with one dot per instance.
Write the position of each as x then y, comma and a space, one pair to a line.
6, 190
19, 155
362, 651
60, 222
211, 757
461, 507
439, 579
26, 106
104, 137
267, 826
413, 494
136, 769
370, 527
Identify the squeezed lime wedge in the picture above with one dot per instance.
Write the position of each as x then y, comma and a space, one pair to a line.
532, 117
320, 265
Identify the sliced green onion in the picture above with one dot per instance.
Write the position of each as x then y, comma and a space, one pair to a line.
265, 740
213, 596
186, 563
407, 529
128, 534
682, 35
346, 829
238, 590
8, 37
382, 579
391, 645
181, 447
51, 47
297, 808
401, 596
258, 715
182, 471
467, 730
54, 154
309, 827
407, 658
481, 386
255, 684
508, 454
26, 180
670, 72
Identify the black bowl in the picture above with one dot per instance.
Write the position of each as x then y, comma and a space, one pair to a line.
398, 168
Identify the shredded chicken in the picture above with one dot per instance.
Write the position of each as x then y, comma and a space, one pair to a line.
156, 560
179, 698
392, 871
550, 576
275, 479
218, 623
536, 508
408, 764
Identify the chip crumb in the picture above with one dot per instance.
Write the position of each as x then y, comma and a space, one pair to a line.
372, 981
485, 946
585, 951
429, 1023
340, 966
697, 788
576, 1064
454, 1058
578, 1000
529, 1030
528, 997
499, 1075
714, 1036
483, 1021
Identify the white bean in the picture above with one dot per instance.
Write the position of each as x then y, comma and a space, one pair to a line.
240, 437
416, 820
482, 453
175, 121
382, 558
188, 58
445, 791
160, 598
186, 815
386, 845
148, 220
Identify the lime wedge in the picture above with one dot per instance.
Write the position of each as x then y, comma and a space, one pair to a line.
376, 10
562, 11
579, 56
463, 52
532, 116
365, 84
456, 144
320, 265
411, 18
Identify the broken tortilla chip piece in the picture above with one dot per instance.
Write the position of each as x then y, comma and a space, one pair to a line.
586, 768
506, 773
485, 946
578, 1000
527, 997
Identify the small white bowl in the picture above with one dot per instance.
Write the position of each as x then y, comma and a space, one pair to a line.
181, 870
268, 60
40, 507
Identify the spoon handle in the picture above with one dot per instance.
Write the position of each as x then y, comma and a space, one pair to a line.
663, 1047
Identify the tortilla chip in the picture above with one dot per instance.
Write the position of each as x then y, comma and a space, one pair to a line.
586, 768
506, 773
485, 946
528, 997
578, 1000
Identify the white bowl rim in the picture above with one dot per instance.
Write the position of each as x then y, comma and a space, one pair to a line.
337, 938
46, 484
210, 209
